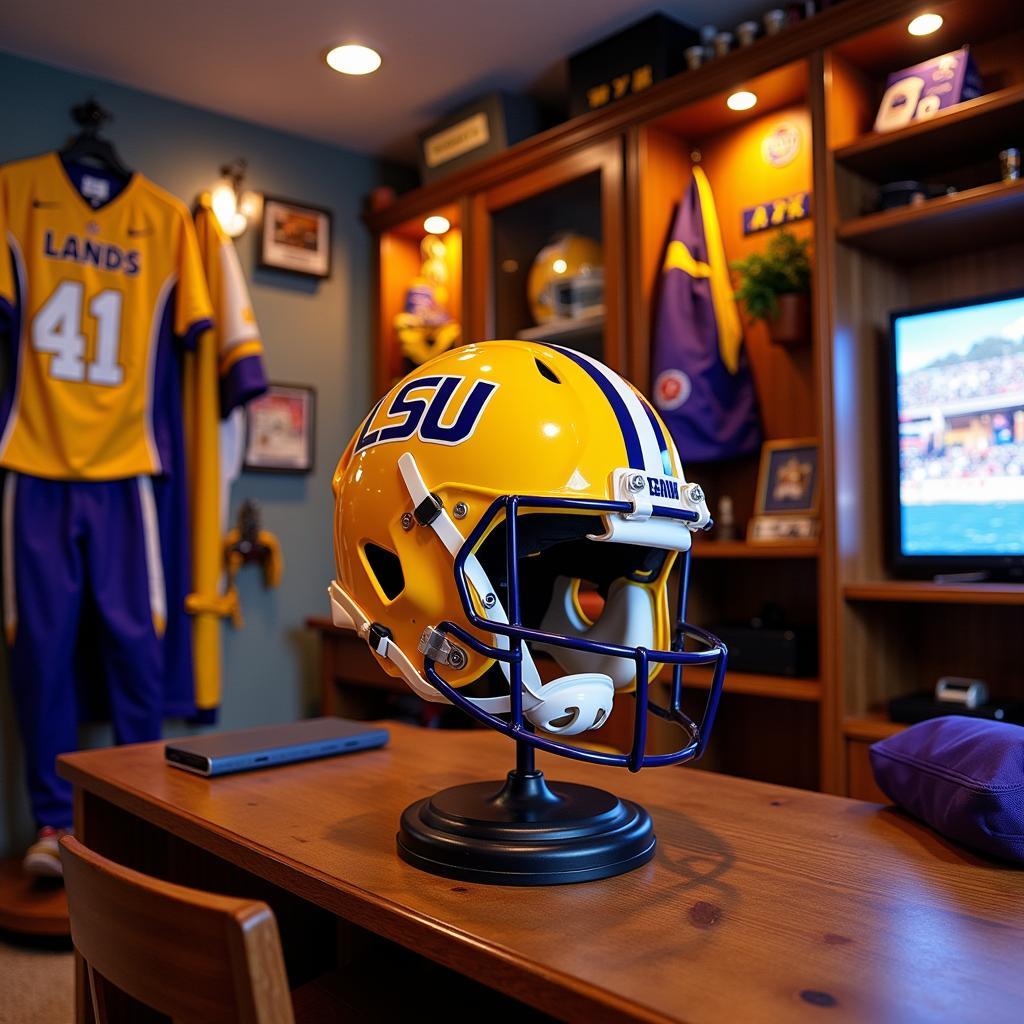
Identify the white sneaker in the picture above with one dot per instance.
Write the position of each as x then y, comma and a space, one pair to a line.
43, 856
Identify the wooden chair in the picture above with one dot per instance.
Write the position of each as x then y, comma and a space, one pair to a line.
190, 955
204, 959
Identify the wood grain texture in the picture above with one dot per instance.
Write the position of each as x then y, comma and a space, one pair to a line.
757, 685
744, 549
871, 727
830, 767
926, 591
762, 904
191, 955
861, 779
978, 217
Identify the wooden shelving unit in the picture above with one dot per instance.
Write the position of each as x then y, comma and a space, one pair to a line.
989, 122
870, 727
896, 636
754, 685
903, 591
978, 217
620, 172
737, 549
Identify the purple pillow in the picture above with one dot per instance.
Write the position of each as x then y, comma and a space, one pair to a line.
963, 776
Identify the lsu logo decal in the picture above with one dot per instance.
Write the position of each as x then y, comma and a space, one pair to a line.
427, 407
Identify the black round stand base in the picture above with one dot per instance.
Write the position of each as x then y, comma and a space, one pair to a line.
525, 832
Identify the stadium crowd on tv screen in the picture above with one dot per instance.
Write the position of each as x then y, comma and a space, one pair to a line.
960, 392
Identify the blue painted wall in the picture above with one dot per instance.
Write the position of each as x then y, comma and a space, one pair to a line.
315, 333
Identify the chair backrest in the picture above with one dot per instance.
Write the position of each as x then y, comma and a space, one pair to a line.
190, 955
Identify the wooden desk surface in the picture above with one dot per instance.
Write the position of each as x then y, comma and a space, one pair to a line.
762, 903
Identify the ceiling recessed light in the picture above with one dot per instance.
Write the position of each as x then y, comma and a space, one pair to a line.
353, 59
741, 100
436, 225
925, 24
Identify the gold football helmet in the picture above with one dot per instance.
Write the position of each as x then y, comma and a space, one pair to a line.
477, 499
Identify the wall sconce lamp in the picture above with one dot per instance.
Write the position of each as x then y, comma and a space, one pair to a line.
233, 207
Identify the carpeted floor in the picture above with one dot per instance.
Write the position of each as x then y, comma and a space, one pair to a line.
37, 982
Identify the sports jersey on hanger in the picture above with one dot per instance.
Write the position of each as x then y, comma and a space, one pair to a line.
102, 283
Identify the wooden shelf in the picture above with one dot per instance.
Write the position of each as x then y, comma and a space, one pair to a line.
871, 726
566, 329
974, 219
754, 685
919, 591
737, 549
989, 123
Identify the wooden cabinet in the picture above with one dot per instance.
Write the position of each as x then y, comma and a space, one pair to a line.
616, 175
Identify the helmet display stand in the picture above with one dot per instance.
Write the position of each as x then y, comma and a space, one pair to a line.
525, 831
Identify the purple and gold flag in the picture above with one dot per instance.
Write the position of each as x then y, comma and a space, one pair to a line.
701, 380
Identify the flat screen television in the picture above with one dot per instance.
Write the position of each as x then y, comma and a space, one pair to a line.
956, 437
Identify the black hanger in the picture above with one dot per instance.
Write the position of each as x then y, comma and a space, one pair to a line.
88, 145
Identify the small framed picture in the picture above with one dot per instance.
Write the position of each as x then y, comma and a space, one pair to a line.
295, 237
787, 482
280, 429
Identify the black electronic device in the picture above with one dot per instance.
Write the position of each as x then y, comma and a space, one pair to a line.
918, 707
955, 435
769, 645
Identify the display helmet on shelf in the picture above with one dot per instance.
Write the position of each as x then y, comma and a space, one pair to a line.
565, 257
477, 499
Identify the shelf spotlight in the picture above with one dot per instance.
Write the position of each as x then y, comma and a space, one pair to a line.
353, 59
742, 100
925, 24
436, 224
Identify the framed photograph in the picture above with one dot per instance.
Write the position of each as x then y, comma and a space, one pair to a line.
295, 237
787, 482
280, 429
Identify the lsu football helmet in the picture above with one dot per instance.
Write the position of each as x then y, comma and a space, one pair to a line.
477, 501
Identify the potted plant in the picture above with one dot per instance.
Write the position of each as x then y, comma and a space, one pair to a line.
775, 285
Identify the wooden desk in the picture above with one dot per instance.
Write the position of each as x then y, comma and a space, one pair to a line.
762, 903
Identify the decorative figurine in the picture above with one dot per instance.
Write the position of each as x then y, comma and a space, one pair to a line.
425, 328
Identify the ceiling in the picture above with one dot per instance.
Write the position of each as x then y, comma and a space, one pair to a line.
262, 60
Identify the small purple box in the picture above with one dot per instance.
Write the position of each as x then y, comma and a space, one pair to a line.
917, 93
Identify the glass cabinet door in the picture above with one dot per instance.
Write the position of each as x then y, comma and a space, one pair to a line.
547, 255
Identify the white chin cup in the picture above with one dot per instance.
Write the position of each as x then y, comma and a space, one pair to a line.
573, 704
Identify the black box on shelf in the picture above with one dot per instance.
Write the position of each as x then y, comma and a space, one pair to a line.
918, 707
771, 651
480, 129
628, 62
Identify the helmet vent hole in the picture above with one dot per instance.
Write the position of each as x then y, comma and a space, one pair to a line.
386, 568
599, 717
545, 371
564, 721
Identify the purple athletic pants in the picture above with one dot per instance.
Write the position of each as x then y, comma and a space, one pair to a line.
85, 606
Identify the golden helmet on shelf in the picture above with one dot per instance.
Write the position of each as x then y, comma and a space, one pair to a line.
566, 256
